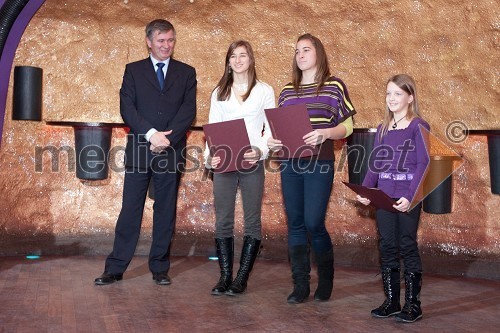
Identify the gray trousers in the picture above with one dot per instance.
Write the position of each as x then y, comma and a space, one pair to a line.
251, 183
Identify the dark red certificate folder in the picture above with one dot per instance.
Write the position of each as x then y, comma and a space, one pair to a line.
377, 197
289, 124
228, 140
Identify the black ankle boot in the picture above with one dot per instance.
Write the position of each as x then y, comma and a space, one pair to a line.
324, 262
249, 253
391, 305
225, 249
411, 311
301, 268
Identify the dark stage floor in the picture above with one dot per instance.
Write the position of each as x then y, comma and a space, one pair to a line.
57, 294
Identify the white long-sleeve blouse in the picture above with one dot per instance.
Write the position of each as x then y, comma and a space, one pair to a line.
251, 111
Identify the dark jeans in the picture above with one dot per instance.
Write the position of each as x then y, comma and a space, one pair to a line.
251, 183
306, 186
398, 238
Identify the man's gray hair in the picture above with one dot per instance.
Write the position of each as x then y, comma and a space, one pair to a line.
158, 25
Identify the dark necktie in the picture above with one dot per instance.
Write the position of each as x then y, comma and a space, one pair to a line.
159, 74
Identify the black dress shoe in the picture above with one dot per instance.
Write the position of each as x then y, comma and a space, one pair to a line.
108, 278
161, 278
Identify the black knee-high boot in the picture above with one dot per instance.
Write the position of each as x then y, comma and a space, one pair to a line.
225, 249
391, 305
249, 253
301, 268
324, 261
411, 310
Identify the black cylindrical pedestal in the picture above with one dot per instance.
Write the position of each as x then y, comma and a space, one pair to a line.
493, 136
494, 157
439, 185
92, 144
359, 147
439, 200
27, 97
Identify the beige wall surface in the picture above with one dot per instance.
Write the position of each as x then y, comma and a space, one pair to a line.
451, 48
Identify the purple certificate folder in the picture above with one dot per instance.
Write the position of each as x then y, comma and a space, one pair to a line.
377, 197
289, 124
228, 140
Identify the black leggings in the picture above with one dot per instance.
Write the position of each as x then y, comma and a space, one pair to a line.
398, 239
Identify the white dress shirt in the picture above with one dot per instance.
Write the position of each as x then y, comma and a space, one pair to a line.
152, 131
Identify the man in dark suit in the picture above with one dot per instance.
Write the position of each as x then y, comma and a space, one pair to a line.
158, 104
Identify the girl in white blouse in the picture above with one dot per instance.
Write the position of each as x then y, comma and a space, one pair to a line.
239, 95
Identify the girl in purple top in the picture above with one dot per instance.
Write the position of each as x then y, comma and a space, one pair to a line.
307, 183
397, 166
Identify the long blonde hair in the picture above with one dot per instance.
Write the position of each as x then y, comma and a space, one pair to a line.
407, 84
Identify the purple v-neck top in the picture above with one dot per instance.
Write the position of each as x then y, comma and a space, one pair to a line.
399, 161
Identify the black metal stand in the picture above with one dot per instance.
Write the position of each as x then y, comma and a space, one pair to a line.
359, 147
493, 136
494, 158
438, 183
27, 98
92, 145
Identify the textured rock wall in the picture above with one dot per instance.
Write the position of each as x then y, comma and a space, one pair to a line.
449, 47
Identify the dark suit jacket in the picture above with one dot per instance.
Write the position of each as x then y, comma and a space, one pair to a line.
143, 105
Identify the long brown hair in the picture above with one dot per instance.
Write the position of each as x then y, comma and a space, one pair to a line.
322, 66
226, 81
407, 84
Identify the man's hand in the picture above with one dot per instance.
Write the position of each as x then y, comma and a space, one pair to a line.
159, 141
